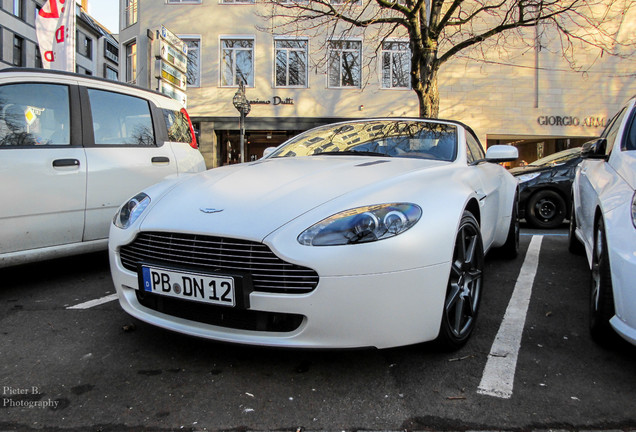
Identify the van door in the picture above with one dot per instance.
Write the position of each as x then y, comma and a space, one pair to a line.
42, 166
124, 155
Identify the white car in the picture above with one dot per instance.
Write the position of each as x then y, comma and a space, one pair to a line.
366, 233
72, 150
604, 223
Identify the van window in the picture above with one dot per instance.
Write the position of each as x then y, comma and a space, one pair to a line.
120, 119
34, 114
178, 126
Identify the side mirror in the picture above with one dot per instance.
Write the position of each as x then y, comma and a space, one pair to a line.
594, 149
268, 151
502, 153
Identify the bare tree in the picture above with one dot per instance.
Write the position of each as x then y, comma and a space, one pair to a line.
439, 30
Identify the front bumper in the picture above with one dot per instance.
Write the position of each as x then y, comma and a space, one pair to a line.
371, 310
621, 238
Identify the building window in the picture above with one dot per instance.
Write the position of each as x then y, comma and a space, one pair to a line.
38, 58
396, 65
345, 64
18, 51
131, 63
237, 62
237, 1
84, 45
18, 8
291, 63
111, 52
131, 12
111, 73
82, 70
194, 60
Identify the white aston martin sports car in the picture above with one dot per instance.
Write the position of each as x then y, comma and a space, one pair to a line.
368, 233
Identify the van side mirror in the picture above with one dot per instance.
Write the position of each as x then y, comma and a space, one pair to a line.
594, 149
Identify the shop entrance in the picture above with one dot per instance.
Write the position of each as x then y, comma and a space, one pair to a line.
256, 142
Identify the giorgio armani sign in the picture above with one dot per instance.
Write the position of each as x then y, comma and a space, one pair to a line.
592, 122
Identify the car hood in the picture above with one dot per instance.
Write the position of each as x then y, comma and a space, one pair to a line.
252, 200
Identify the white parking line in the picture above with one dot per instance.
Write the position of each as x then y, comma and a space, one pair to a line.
499, 373
91, 303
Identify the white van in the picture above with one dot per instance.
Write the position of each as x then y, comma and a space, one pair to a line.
74, 148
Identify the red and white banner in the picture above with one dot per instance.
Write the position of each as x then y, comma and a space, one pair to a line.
55, 28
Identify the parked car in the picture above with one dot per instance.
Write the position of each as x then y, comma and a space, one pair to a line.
356, 234
603, 223
545, 187
72, 150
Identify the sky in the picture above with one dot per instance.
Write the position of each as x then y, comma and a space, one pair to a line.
106, 12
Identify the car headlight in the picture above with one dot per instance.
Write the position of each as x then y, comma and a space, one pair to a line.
527, 177
131, 210
634, 210
362, 225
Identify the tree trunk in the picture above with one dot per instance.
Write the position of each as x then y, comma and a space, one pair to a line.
424, 67
428, 97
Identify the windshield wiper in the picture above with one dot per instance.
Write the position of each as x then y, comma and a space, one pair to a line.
352, 152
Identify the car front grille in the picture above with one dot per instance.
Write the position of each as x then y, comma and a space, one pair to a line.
222, 316
211, 254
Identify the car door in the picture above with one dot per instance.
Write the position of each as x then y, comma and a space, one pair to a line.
124, 154
488, 187
42, 166
594, 175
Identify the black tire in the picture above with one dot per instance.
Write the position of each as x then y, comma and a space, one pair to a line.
463, 292
510, 248
574, 245
601, 294
546, 209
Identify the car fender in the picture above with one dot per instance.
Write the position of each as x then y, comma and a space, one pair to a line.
429, 242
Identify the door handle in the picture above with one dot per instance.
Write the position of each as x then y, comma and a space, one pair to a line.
59, 163
160, 159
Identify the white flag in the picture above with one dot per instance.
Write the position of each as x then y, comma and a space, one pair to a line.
55, 28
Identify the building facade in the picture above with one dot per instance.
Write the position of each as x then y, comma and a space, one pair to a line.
97, 49
531, 99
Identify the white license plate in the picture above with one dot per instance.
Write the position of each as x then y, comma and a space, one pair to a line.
199, 287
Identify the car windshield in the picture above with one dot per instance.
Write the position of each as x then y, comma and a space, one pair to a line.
557, 158
386, 138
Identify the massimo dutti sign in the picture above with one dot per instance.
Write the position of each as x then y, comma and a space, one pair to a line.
591, 122
276, 100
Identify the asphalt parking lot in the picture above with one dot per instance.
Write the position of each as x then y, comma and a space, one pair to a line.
72, 360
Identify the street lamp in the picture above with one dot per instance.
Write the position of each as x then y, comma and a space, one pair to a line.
242, 105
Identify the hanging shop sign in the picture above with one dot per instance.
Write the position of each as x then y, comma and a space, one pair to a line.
171, 75
173, 92
171, 55
173, 39
171, 65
